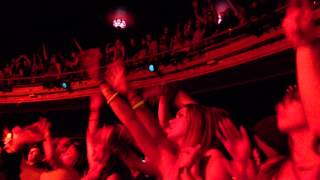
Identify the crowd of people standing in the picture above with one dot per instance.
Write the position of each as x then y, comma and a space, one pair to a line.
198, 142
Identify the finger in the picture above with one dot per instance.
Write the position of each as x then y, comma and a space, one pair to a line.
229, 132
232, 128
244, 133
223, 131
221, 137
225, 142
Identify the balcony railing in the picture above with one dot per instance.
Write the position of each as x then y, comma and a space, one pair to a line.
220, 51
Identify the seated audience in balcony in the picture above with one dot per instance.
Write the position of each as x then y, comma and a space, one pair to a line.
177, 40
198, 33
208, 16
54, 68
152, 46
176, 44
34, 67
118, 51
228, 20
164, 40
108, 53
211, 23
187, 33
2, 74
22, 66
143, 52
37, 66
8, 70
238, 9
200, 12
1, 78
45, 56
133, 49
71, 63
204, 13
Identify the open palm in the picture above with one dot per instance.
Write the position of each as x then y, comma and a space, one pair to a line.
235, 141
115, 75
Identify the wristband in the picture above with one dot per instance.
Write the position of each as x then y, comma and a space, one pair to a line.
112, 97
140, 103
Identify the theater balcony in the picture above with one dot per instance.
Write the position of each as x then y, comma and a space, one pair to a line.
248, 53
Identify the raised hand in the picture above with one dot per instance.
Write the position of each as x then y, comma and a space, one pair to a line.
236, 142
298, 23
115, 75
152, 94
19, 137
95, 102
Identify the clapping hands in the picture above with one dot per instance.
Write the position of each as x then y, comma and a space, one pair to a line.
235, 141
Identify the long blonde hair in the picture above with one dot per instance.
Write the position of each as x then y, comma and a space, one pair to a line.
203, 125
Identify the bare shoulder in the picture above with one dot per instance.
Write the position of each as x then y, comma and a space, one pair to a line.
214, 154
216, 168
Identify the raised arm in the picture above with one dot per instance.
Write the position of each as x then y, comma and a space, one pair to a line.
40, 59
146, 117
120, 107
128, 117
19, 137
45, 53
308, 69
143, 113
77, 45
299, 28
93, 123
28, 60
166, 95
